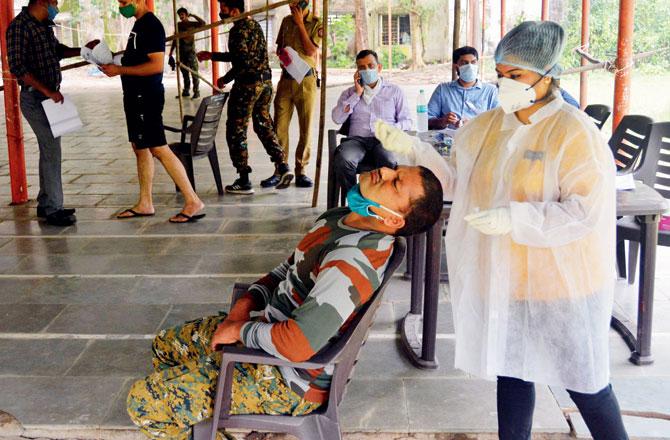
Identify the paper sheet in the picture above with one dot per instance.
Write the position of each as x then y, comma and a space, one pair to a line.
63, 117
625, 182
294, 65
99, 55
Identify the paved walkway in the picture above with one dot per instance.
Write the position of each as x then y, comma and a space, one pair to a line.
78, 306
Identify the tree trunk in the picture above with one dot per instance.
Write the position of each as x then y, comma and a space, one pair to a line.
361, 16
457, 31
415, 26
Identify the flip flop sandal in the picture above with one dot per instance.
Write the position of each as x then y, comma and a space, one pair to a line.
189, 218
134, 214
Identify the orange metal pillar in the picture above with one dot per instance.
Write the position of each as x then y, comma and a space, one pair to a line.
502, 18
584, 76
545, 9
624, 61
16, 156
214, 16
151, 6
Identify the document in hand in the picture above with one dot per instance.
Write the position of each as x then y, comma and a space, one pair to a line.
99, 55
63, 117
294, 65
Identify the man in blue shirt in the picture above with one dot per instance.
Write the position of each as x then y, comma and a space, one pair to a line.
456, 102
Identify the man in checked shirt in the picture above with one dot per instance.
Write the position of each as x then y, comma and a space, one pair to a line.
370, 98
34, 56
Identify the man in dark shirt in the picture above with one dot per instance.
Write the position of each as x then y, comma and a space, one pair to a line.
187, 51
249, 98
34, 56
143, 100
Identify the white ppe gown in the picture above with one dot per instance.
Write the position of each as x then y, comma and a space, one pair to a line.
534, 304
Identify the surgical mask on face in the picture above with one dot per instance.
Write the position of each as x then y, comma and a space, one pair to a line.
128, 11
369, 76
223, 16
515, 95
468, 72
52, 11
361, 205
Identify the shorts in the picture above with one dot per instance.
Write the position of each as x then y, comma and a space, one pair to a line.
144, 117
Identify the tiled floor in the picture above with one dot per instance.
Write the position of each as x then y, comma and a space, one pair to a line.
79, 305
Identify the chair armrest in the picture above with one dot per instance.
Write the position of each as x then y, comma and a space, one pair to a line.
253, 356
172, 129
185, 128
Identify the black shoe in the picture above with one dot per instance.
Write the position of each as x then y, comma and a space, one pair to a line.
196, 95
302, 181
42, 214
61, 218
271, 181
184, 93
240, 187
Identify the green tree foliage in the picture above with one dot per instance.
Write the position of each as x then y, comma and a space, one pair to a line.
651, 31
341, 34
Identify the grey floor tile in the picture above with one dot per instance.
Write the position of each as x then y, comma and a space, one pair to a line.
77, 290
66, 401
117, 417
292, 226
125, 246
385, 321
43, 246
469, 405
384, 358
241, 263
152, 264
205, 226
211, 245
64, 264
398, 290
374, 405
9, 264
114, 358
109, 319
28, 227
445, 319
620, 366
643, 393
284, 244
209, 290
17, 290
187, 312
27, 318
51, 357
107, 227
636, 427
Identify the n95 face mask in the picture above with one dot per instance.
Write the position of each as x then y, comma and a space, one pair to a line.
514, 95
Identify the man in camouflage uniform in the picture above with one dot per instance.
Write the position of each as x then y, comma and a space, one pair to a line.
187, 51
249, 98
304, 303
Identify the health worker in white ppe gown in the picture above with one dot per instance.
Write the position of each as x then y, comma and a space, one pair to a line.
531, 239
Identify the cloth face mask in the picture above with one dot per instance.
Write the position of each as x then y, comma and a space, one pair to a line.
468, 72
361, 205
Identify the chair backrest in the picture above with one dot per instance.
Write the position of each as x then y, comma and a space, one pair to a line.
629, 141
598, 113
344, 350
655, 168
206, 124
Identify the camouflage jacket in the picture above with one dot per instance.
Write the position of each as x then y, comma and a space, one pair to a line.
247, 51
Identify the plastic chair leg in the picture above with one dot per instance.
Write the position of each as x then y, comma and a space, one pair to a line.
214, 162
621, 258
633, 251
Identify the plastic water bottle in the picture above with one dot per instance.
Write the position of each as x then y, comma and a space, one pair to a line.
421, 112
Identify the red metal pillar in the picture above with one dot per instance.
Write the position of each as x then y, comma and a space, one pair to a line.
151, 6
584, 76
545, 10
624, 61
502, 18
214, 16
16, 156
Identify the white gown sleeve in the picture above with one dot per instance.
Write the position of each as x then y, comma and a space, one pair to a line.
424, 154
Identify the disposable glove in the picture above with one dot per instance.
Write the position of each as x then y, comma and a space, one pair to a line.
496, 221
172, 62
394, 139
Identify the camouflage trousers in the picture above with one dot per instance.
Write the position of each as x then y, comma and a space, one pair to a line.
251, 101
179, 393
187, 57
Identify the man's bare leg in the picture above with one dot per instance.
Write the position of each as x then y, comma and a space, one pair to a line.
145, 174
192, 204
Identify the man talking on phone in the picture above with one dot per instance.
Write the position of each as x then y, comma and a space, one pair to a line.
360, 106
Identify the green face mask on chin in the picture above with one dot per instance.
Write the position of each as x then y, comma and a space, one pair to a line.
128, 10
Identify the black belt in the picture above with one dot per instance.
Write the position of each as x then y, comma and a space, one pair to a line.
250, 78
286, 75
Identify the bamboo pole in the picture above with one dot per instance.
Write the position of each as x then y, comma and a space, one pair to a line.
583, 76
205, 80
176, 30
322, 113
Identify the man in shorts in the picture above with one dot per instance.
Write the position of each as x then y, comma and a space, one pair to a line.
143, 99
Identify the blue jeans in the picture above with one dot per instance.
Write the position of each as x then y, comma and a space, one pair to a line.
516, 402
50, 197
354, 150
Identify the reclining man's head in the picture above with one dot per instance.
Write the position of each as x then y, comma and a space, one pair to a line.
402, 201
